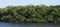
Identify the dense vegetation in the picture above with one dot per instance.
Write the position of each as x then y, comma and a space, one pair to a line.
31, 14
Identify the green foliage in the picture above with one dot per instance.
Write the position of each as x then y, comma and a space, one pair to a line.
30, 13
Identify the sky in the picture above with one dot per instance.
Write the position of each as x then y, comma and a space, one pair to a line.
4, 3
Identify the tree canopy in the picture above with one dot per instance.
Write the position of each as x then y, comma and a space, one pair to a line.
31, 14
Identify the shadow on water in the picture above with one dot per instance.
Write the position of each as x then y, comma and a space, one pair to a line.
5, 24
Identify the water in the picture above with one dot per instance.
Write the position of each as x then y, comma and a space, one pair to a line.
4, 24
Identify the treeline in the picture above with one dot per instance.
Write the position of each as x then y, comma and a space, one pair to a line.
31, 14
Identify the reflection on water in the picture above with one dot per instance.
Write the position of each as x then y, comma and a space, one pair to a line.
4, 24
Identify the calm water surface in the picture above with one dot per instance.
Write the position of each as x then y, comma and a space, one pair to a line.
4, 24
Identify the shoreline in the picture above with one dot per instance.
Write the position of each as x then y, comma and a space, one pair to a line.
29, 23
